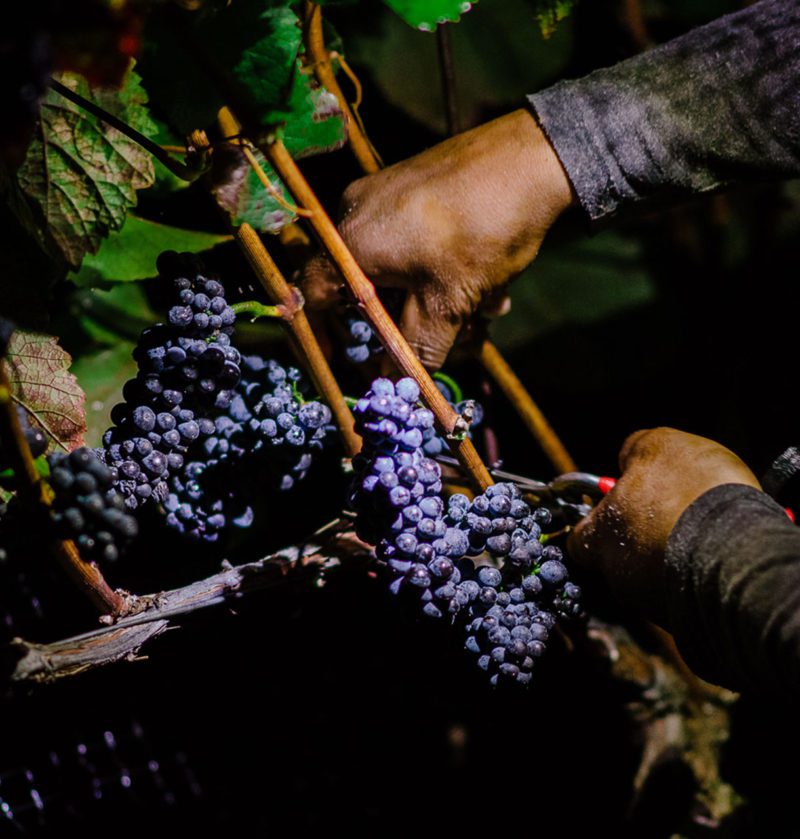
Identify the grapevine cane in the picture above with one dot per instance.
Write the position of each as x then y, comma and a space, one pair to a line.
305, 343
315, 45
491, 358
530, 413
398, 349
85, 574
295, 319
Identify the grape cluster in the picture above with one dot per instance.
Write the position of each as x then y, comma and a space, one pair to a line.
86, 508
427, 543
267, 435
187, 372
363, 341
397, 495
34, 436
269, 421
507, 630
509, 623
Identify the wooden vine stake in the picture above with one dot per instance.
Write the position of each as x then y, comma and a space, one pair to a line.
86, 574
398, 349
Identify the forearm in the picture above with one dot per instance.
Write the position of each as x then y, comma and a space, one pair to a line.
719, 104
733, 590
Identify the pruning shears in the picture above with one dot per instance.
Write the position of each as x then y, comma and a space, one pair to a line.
566, 495
573, 494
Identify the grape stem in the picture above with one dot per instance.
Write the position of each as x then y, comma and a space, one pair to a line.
33, 491
254, 310
303, 340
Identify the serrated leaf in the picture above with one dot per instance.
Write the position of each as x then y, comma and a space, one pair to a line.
250, 51
241, 194
131, 253
38, 369
266, 71
81, 173
550, 12
426, 14
316, 123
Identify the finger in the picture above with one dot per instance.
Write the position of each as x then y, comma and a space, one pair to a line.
320, 283
430, 331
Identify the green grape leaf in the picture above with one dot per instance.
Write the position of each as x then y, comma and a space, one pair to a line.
38, 369
101, 318
426, 14
267, 71
80, 173
316, 123
243, 55
550, 12
130, 254
240, 193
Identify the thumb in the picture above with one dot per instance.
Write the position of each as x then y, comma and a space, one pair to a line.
430, 330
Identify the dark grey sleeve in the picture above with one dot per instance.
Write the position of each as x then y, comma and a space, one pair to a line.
719, 104
733, 590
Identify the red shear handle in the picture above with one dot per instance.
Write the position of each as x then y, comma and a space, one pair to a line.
605, 484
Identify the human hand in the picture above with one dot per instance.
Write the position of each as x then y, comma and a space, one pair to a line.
452, 226
625, 536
